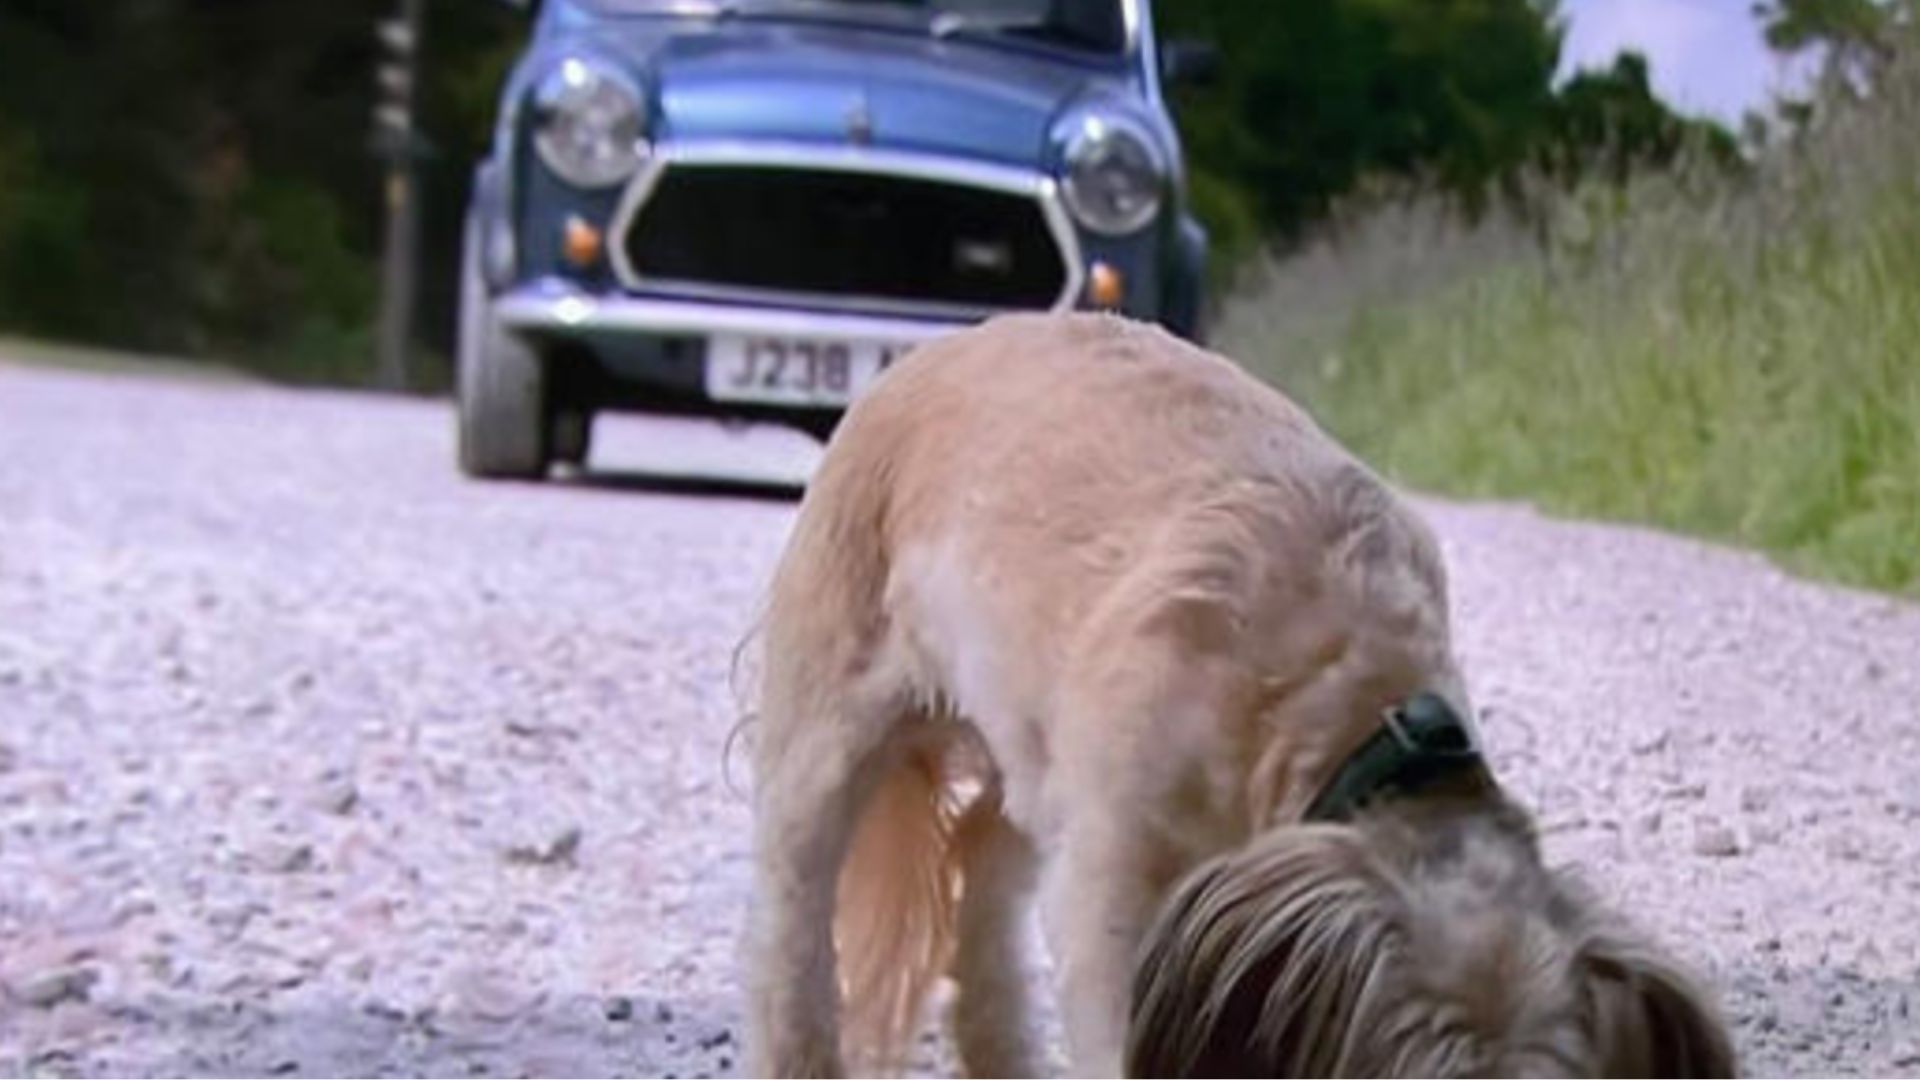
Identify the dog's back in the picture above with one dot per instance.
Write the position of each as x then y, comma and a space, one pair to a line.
1034, 497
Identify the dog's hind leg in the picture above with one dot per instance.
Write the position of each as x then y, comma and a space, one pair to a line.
817, 757
992, 1014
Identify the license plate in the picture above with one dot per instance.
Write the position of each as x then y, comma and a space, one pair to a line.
794, 371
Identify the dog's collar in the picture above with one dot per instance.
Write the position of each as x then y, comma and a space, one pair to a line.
1419, 741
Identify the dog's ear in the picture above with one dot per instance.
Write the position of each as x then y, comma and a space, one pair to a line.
1263, 963
1648, 1017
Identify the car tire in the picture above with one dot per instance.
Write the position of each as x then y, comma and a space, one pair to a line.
821, 429
570, 436
1184, 307
501, 386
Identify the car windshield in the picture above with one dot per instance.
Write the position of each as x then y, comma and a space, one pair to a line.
1096, 25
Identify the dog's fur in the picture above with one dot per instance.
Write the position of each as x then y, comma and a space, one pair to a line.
1076, 608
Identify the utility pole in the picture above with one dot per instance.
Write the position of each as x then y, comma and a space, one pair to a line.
396, 142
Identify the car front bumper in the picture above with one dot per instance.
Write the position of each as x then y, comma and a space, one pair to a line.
620, 350
551, 308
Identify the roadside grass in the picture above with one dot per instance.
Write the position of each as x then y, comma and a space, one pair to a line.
1732, 357
46, 354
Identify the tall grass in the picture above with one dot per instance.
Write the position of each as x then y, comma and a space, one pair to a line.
1736, 357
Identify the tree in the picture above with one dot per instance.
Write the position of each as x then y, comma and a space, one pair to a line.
99, 140
1852, 31
1854, 40
1317, 94
194, 175
1609, 121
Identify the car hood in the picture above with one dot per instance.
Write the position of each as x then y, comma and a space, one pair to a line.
747, 80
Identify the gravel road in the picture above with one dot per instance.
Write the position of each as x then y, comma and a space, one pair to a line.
317, 759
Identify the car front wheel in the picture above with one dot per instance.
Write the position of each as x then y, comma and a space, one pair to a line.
501, 386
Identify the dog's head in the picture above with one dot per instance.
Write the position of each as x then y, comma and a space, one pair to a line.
1349, 950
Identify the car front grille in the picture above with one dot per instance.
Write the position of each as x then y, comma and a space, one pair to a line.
847, 238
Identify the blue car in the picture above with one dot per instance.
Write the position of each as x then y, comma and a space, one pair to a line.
749, 208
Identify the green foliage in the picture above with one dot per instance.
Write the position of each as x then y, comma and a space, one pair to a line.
1793, 25
98, 230
285, 276
1323, 98
194, 176
1317, 94
39, 262
1608, 122
1728, 355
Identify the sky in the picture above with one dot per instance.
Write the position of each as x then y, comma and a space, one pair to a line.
1706, 56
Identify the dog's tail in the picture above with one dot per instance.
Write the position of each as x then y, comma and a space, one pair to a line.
899, 905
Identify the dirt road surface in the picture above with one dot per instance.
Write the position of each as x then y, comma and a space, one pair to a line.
317, 759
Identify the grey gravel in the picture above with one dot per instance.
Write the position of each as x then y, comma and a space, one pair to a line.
1715, 841
45, 989
319, 760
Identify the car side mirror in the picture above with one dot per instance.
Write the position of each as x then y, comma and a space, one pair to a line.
1189, 62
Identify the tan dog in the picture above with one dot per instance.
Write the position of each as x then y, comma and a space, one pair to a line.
1074, 605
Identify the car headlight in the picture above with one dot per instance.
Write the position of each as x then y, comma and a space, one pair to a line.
1114, 179
589, 124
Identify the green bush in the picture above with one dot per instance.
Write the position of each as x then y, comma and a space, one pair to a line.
1735, 356
41, 270
284, 294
